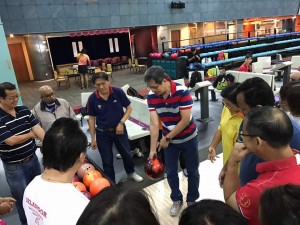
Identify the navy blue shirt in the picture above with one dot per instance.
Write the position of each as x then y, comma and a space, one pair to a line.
10, 126
248, 164
108, 112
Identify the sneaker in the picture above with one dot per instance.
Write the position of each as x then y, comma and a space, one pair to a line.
175, 208
133, 152
190, 203
137, 178
185, 173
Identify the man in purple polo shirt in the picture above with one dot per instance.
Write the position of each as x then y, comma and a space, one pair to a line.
105, 109
172, 103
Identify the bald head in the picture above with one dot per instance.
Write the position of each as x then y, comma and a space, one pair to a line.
47, 95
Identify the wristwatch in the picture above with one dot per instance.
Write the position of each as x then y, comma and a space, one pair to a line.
168, 139
121, 122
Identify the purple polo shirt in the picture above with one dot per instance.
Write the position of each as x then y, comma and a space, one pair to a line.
108, 112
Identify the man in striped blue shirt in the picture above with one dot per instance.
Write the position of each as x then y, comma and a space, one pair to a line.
172, 103
18, 129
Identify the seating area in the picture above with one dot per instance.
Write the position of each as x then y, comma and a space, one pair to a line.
116, 62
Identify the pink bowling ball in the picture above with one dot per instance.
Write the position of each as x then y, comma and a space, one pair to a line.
151, 55
2, 222
174, 56
83, 169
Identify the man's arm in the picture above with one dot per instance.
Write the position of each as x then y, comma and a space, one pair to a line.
127, 113
231, 181
18, 139
38, 131
154, 133
214, 143
92, 131
120, 126
182, 124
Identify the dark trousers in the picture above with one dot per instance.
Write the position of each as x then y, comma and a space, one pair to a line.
105, 141
189, 150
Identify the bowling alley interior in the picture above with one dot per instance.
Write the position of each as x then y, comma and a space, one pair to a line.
41, 42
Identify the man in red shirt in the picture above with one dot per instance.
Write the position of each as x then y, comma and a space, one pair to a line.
246, 67
266, 133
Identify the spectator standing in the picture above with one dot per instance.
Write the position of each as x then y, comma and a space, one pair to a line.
51, 198
18, 130
83, 63
107, 125
172, 103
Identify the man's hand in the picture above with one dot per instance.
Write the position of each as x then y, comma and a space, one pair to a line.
238, 152
120, 129
6, 205
163, 143
152, 153
31, 134
93, 143
212, 154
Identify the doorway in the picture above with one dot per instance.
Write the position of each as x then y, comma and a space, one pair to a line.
175, 38
19, 62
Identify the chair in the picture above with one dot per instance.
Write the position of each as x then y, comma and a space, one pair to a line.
141, 68
98, 70
131, 66
61, 79
84, 98
109, 70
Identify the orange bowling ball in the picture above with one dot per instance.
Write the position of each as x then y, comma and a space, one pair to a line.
90, 176
80, 186
98, 184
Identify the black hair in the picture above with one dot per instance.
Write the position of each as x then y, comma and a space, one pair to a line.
248, 55
155, 73
63, 144
280, 205
100, 75
229, 92
293, 97
256, 92
113, 206
193, 49
270, 124
83, 51
284, 89
211, 212
6, 86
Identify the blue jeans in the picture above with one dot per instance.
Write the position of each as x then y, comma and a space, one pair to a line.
18, 176
105, 141
196, 65
189, 150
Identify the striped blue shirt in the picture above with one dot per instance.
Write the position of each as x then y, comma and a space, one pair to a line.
10, 126
169, 111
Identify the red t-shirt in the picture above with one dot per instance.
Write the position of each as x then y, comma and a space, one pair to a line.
272, 173
245, 68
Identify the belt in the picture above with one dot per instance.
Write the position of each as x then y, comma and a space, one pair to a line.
25, 160
107, 129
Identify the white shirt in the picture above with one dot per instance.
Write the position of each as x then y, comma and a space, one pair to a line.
49, 203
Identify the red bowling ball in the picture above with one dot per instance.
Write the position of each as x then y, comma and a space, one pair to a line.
154, 168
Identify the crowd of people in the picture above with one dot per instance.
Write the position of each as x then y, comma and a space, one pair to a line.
260, 175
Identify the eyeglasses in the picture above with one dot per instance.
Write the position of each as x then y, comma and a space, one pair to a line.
153, 88
11, 99
247, 135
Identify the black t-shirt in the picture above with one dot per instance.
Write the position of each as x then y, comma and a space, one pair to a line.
190, 55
